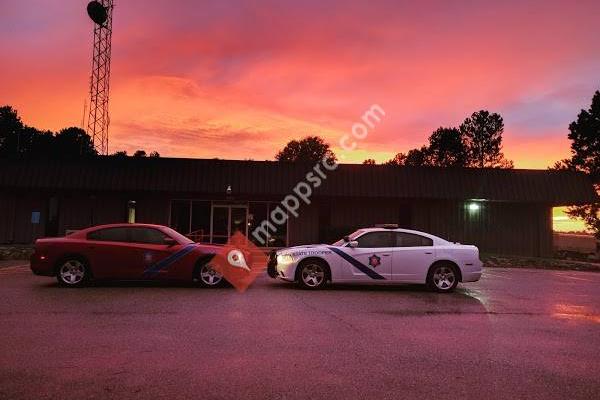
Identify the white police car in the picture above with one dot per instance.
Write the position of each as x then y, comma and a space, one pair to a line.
384, 254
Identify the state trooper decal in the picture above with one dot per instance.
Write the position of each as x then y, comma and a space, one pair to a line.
374, 260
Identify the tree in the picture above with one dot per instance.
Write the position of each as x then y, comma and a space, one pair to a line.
369, 161
10, 128
414, 158
417, 157
398, 159
482, 133
40, 144
585, 157
309, 149
72, 143
19, 140
447, 148
138, 154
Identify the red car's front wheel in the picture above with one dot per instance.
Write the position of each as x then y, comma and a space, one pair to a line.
209, 277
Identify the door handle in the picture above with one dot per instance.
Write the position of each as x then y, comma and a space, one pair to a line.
386, 255
428, 252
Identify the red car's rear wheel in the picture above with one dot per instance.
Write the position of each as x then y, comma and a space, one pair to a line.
72, 272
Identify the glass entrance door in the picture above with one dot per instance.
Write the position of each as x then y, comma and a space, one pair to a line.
226, 220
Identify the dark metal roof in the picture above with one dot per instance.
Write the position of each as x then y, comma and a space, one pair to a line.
277, 179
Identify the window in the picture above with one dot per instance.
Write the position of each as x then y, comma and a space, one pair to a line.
180, 216
109, 235
200, 229
278, 237
404, 239
257, 213
214, 221
146, 235
376, 239
179, 238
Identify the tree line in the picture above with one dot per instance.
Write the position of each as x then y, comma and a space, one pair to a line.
476, 143
18, 140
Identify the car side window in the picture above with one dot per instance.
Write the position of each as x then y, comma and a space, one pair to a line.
146, 236
376, 239
404, 239
109, 235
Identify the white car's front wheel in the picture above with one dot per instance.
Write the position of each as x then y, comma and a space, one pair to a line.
312, 274
442, 277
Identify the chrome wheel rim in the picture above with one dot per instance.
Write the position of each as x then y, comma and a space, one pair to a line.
209, 276
444, 278
72, 272
313, 275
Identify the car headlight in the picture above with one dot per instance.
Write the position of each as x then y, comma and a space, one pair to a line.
284, 259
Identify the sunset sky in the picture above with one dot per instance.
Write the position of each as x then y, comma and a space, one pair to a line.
238, 79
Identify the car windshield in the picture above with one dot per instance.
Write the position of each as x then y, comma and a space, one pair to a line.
177, 236
351, 236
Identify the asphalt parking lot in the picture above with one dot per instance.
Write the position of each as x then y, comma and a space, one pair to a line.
515, 334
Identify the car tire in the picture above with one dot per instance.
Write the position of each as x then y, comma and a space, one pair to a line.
312, 275
208, 277
442, 277
72, 272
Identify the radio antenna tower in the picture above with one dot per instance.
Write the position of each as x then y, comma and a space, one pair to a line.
97, 125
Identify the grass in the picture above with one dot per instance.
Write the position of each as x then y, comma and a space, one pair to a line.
15, 252
507, 261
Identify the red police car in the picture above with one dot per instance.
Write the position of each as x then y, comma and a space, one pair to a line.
125, 252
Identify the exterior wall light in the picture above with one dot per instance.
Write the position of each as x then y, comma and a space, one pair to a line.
474, 207
131, 211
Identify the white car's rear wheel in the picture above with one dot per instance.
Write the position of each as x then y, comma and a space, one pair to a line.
312, 275
442, 277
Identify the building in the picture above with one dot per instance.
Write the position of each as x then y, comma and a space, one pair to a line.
501, 211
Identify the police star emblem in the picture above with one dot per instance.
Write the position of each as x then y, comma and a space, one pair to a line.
374, 260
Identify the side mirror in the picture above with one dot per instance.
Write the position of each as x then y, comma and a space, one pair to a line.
353, 244
170, 241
